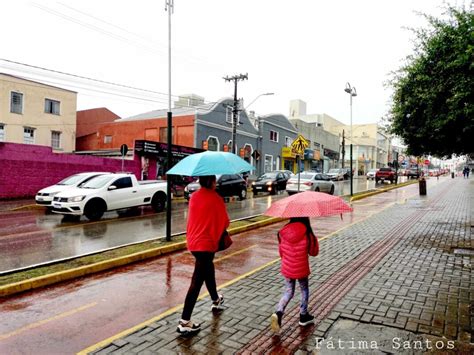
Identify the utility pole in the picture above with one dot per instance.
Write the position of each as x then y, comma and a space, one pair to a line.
343, 149
170, 8
235, 109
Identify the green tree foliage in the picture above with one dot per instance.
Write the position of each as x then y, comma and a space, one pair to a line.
432, 108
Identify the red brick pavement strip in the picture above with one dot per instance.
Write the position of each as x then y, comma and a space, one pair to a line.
333, 290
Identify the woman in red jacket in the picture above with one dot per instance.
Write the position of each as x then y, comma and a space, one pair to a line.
207, 220
296, 241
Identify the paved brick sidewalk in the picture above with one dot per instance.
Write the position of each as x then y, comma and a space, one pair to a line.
401, 271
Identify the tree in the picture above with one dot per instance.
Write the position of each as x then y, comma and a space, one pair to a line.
432, 108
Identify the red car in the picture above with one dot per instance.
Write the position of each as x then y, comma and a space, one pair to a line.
386, 174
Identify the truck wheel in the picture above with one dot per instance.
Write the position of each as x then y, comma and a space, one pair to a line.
158, 202
332, 190
243, 194
94, 210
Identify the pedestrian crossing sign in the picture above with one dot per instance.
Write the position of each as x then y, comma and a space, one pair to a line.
299, 145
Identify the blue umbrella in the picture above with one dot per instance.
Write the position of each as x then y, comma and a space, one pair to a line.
210, 163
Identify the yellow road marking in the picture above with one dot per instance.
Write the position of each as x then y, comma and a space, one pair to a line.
167, 313
44, 321
224, 285
235, 253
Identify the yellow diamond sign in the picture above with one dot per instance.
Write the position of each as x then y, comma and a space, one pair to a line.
299, 145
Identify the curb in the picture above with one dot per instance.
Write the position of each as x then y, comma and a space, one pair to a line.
46, 280
385, 189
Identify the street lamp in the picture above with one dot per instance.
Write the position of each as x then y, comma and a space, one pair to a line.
265, 94
352, 92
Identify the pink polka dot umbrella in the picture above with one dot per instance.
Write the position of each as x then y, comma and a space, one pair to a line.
308, 204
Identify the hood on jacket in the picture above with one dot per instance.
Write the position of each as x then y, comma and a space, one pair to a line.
292, 232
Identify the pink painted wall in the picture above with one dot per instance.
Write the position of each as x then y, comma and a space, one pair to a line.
25, 169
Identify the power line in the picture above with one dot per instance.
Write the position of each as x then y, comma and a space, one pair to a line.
76, 76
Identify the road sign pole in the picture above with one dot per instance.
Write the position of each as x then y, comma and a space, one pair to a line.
298, 170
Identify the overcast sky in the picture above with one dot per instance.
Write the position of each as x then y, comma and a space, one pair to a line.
297, 49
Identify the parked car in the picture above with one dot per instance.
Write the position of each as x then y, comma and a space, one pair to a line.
110, 192
226, 186
335, 174
413, 173
310, 181
386, 174
271, 182
371, 174
44, 197
288, 173
346, 173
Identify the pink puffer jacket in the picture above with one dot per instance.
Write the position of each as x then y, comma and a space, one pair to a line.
293, 250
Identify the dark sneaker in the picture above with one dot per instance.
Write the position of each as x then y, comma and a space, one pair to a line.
186, 328
216, 305
276, 321
306, 319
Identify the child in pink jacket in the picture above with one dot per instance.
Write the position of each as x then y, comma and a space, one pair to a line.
296, 241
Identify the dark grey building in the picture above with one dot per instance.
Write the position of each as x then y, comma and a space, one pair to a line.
277, 134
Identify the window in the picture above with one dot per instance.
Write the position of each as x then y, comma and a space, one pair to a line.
268, 163
288, 141
164, 135
55, 139
51, 106
229, 115
212, 144
123, 183
28, 135
16, 102
274, 136
2, 132
107, 139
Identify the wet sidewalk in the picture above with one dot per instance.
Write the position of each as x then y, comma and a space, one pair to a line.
398, 281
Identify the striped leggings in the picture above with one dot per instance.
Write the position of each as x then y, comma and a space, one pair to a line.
290, 292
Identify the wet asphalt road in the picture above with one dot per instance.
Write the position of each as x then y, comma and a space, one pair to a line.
30, 238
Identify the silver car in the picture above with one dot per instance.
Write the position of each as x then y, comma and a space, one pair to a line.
310, 181
336, 174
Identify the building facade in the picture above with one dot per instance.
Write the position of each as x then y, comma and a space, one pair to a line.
88, 122
210, 127
35, 113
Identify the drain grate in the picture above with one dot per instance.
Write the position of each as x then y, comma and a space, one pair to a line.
463, 252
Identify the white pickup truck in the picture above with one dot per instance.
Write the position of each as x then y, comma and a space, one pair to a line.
110, 192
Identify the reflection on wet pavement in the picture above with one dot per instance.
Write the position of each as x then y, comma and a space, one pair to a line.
35, 237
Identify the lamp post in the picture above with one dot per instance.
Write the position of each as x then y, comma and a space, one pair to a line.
170, 8
265, 94
352, 92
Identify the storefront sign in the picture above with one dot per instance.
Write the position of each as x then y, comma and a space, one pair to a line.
161, 149
286, 152
317, 155
308, 154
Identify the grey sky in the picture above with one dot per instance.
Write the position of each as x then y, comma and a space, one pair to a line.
306, 49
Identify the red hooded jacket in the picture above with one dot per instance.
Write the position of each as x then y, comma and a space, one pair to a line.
293, 250
207, 220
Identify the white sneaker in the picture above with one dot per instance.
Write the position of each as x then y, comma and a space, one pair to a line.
216, 305
188, 327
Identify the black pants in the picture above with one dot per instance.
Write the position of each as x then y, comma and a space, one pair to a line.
203, 272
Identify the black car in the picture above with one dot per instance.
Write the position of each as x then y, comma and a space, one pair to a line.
270, 182
226, 186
